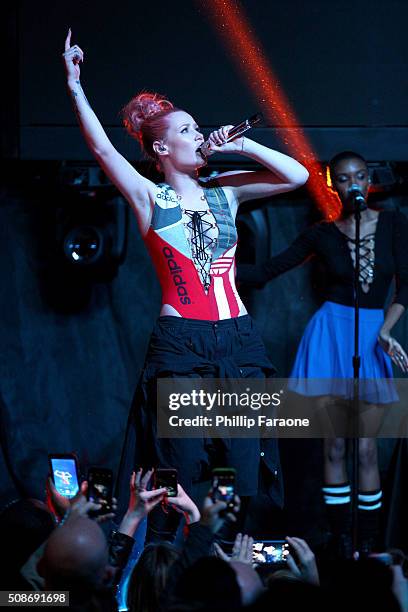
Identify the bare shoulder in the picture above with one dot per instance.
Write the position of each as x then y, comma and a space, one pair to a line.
142, 203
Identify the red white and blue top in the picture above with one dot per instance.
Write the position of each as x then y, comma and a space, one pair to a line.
193, 252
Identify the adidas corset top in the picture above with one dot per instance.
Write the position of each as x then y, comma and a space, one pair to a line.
194, 255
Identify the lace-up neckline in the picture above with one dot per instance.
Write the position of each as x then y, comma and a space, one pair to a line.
367, 256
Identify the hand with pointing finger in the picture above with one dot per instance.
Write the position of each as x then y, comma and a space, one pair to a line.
72, 56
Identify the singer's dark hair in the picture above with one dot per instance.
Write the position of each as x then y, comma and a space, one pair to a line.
144, 117
341, 157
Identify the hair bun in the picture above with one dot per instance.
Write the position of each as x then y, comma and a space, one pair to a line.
143, 106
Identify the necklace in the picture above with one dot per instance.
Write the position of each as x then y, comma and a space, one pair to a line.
180, 197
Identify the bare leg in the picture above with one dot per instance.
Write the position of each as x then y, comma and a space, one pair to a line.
334, 461
369, 475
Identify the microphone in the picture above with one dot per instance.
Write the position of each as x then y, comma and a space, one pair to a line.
235, 132
355, 194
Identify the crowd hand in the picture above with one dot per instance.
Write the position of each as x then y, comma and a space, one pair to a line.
241, 551
59, 504
304, 565
184, 504
394, 350
217, 141
81, 506
213, 513
72, 56
400, 587
141, 500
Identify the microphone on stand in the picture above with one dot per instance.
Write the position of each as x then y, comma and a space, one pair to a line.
235, 132
356, 195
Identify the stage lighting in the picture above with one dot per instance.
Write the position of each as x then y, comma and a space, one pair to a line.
83, 245
91, 234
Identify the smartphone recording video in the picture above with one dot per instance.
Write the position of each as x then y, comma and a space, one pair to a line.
223, 486
64, 473
100, 488
167, 478
270, 551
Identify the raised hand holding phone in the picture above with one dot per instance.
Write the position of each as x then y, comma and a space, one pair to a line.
223, 486
141, 501
303, 562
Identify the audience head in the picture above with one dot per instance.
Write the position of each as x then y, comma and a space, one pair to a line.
210, 583
76, 557
149, 577
27, 522
367, 582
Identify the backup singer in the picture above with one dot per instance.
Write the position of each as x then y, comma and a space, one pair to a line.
327, 345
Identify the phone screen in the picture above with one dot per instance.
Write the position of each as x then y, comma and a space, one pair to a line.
100, 487
223, 486
272, 551
166, 478
65, 475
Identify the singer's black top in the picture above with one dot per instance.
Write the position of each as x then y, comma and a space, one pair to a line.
326, 241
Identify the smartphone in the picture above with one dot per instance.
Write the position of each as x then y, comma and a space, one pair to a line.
166, 477
270, 551
100, 488
65, 474
223, 486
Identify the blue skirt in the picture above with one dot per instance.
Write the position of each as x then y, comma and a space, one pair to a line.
326, 351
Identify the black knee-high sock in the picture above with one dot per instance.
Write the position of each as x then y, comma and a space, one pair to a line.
369, 512
337, 499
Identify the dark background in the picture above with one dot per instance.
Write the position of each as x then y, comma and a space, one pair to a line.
68, 373
342, 65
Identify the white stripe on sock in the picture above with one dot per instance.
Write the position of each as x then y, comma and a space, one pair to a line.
336, 500
363, 497
369, 508
345, 489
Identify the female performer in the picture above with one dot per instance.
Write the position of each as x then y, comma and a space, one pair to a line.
327, 345
189, 230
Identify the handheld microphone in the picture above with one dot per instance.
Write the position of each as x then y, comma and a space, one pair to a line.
355, 194
235, 132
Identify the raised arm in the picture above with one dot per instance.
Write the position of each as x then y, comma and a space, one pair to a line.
282, 173
139, 191
301, 249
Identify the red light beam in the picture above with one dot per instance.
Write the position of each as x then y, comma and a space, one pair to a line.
232, 26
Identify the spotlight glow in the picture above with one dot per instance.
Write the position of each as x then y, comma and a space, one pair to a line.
232, 26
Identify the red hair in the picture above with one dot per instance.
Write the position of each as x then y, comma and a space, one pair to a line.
144, 117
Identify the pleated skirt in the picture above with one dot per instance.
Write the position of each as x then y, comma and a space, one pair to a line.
324, 360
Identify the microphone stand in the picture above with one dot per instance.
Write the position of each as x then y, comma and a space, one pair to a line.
358, 207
